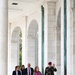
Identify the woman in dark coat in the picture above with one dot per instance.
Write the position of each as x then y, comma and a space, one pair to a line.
50, 69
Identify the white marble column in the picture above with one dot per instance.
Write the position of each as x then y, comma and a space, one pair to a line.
62, 37
39, 42
73, 63
24, 43
3, 36
9, 49
69, 40
46, 35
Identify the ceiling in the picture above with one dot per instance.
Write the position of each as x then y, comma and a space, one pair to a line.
15, 11
23, 7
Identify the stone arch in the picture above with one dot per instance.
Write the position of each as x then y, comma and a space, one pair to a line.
58, 42
33, 43
15, 47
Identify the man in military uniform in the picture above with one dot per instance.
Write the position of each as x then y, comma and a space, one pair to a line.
50, 69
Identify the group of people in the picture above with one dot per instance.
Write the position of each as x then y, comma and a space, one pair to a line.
30, 71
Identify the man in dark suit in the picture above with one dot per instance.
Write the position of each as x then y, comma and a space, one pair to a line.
16, 71
29, 70
23, 70
50, 69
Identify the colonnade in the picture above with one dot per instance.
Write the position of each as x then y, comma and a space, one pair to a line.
51, 41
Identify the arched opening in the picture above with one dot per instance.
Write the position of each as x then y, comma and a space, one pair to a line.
58, 44
16, 48
33, 43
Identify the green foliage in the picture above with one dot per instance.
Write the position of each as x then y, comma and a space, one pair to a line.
20, 59
20, 34
20, 51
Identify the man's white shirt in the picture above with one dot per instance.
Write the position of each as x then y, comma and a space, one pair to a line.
16, 72
28, 69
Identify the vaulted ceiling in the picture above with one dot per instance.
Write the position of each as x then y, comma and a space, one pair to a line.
22, 7
17, 10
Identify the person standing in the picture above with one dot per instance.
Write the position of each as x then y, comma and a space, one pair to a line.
23, 70
37, 72
16, 71
20, 69
29, 70
50, 69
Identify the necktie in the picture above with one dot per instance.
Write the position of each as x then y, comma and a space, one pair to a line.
29, 71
